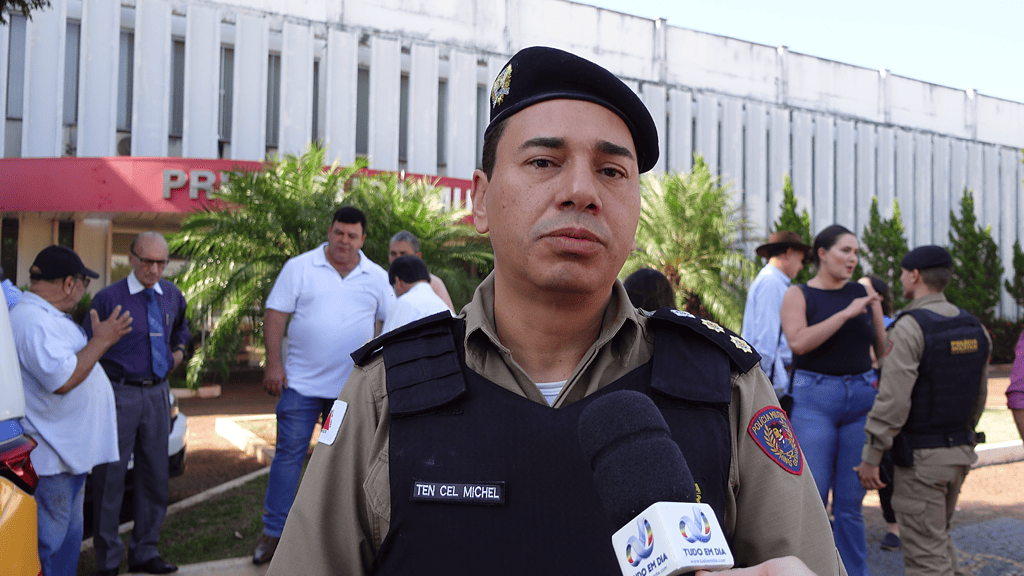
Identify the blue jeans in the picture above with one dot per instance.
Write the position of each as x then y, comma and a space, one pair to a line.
296, 417
59, 501
828, 417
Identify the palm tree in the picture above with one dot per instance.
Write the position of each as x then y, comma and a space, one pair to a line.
690, 231
236, 250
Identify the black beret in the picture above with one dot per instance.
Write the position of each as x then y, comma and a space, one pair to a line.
923, 257
540, 73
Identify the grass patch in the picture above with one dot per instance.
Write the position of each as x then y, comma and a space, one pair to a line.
998, 426
225, 526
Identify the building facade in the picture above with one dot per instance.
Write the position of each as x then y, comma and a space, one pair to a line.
405, 83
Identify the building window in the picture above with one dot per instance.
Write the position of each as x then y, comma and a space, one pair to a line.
177, 88
315, 132
71, 51
227, 91
442, 122
9, 248
125, 71
15, 86
403, 120
66, 233
363, 112
273, 100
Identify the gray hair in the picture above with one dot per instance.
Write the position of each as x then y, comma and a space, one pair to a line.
406, 236
148, 234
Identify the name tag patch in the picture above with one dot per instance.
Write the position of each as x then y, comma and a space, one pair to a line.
967, 346
485, 493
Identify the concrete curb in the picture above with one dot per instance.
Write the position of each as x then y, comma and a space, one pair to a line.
87, 544
208, 391
999, 453
249, 443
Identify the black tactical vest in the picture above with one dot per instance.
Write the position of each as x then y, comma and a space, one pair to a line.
948, 381
484, 481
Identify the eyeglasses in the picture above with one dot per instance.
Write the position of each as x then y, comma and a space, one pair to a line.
85, 280
146, 262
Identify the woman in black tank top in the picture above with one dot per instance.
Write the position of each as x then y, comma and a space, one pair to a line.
831, 325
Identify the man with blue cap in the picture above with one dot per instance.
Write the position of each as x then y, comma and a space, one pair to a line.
454, 448
930, 397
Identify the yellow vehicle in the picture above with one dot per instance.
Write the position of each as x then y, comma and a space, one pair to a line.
19, 553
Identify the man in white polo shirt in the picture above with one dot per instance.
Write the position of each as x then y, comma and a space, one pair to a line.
416, 298
337, 299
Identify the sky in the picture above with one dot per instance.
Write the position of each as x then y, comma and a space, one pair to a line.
959, 44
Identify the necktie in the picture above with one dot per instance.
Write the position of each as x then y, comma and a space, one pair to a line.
157, 344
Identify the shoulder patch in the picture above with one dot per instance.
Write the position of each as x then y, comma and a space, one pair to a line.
740, 352
329, 431
774, 434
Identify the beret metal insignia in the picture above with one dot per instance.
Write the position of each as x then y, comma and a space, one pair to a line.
711, 325
774, 434
501, 86
741, 344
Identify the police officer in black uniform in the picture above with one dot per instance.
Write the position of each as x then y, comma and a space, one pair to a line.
453, 447
930, 397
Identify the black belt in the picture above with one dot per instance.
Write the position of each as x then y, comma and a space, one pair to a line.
140, 382
946, 440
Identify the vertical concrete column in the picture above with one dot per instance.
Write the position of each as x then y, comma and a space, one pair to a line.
732, 147
778, 158
340, 107
422, 133
781, 75
755, 158
846, 169
151, 86
986, 200
957, 175
249, 98
680, 130
824, 175
865, 172
461, 128
202, 82
905, 180
975, 177
940, 190
1009, 212
97, 78
42, 127
654, 96
803, 166
923, 215
886, 171
707, 130
385, 101
296, 122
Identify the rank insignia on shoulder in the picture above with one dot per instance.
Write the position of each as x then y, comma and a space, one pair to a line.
682, 313
774, 434
711, 325
329, 431
740, 343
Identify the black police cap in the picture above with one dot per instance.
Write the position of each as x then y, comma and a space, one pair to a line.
923, 257
539, 73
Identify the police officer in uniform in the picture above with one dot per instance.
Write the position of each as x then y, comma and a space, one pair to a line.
930, 397
443, 453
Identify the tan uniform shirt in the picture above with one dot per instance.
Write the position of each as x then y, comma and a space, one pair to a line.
899, 373
342, 511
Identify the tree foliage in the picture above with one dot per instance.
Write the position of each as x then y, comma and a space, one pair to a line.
237, 250
1016, 288
24, 7
790, 221
690, 231
885, 247
976, 266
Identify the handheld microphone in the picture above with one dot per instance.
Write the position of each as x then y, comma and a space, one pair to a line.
646, 487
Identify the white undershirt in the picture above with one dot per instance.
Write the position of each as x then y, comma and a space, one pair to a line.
550, 390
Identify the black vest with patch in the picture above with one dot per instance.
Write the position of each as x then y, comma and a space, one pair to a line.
948, 381
484, 481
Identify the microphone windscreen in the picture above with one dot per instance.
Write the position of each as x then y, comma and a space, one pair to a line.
636, 463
